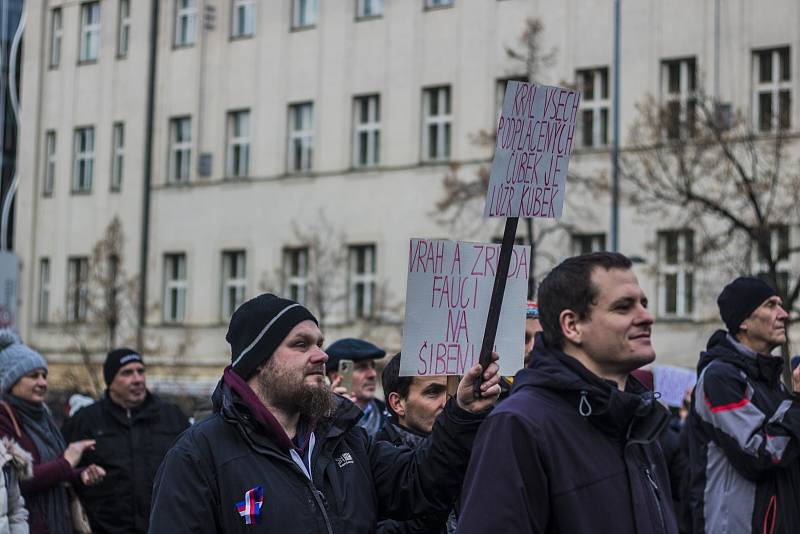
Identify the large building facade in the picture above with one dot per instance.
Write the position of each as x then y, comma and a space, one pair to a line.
297, 145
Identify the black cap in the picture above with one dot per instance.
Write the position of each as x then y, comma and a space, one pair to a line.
740, 298
257, 328
116, 360
351, 349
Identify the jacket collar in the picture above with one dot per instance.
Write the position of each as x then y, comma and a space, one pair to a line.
724, 347
630, 415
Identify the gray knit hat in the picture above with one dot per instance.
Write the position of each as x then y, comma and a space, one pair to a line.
16, 360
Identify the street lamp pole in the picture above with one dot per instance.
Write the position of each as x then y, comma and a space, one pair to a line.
615, 141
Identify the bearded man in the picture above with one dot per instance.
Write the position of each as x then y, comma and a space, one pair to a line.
282, 451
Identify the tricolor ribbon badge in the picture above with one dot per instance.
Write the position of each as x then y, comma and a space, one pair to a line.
250, 507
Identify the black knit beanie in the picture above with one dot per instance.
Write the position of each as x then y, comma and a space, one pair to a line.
740, 298
116, 360
257, 328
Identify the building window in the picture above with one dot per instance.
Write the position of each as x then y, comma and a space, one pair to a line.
369, 8
772, 100
234, 281
676, 276
117, 156
304, 13
361, 268
83, 157
49, 180
778, 244
500, 92
301, 136
43, 313
367, 131
295, 273
56, 33
180, 149
238, 143
123, 28
185, 22
437, 121
174, 288
594, 106
678, 85
588, 243
438, 3
77, 289
90, 31
243, 21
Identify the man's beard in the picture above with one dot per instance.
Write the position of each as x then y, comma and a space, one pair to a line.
291, 393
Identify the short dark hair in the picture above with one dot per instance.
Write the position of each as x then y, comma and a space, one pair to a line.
393, 382
569, 287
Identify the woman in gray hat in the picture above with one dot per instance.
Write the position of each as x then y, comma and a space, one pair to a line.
25, 417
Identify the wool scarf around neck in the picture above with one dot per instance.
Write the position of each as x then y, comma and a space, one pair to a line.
37, 421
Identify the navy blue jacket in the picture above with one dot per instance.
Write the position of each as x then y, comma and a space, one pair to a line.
568, 453
353, 479
744, 443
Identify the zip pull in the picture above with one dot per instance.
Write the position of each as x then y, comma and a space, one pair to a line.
322, 498
652, 482
584, 408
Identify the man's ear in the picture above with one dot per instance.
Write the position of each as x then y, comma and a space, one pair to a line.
397, 404
570, 326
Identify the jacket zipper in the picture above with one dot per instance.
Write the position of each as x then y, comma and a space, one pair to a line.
657, 496
320, 498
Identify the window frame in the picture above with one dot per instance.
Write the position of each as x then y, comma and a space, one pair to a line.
775, 87
441, 123
305, 14
82, 182
361, 9
683, 270
89, 42
237, 153
123, 28
56, 37
175, 289
241, 8
596, 242
366, 279
371, 129
117, 156
77, 301
233, 282
43, 300
50, 159
179, 151
295, 269
301, 139
601, 83
185, 19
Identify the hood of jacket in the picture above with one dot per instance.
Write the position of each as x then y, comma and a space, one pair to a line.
759, 367
631, 415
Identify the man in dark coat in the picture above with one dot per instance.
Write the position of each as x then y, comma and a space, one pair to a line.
282, 452
574, 448
133, 430
414, 403
744, 426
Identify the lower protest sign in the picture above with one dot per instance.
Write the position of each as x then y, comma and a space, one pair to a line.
673, 382
447, 302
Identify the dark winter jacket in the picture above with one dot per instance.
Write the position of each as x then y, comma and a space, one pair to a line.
431, 524
744, 443
568, 453
241, 451
130, 448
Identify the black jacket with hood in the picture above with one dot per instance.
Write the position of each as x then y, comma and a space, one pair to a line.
353, 479
569, 453
744, 443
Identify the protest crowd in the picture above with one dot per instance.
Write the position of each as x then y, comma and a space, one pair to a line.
576, 442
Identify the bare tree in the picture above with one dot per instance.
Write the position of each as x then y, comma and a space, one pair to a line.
104, 300
463, 197
704, 167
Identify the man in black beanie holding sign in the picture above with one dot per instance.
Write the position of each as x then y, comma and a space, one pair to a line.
133, 430
283, 452
744, 426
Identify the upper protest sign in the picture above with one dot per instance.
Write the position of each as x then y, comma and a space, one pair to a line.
534, 142
447, 302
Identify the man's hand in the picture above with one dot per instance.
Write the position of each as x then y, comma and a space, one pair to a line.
490, 390
339, 390
92, 475
75, 450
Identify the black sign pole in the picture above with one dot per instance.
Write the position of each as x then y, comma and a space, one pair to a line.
498, 291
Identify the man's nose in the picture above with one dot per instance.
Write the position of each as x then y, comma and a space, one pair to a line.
319, 356
782, 314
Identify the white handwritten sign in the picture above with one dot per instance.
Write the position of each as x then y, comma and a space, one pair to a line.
447, 302
673, 382
534, 142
